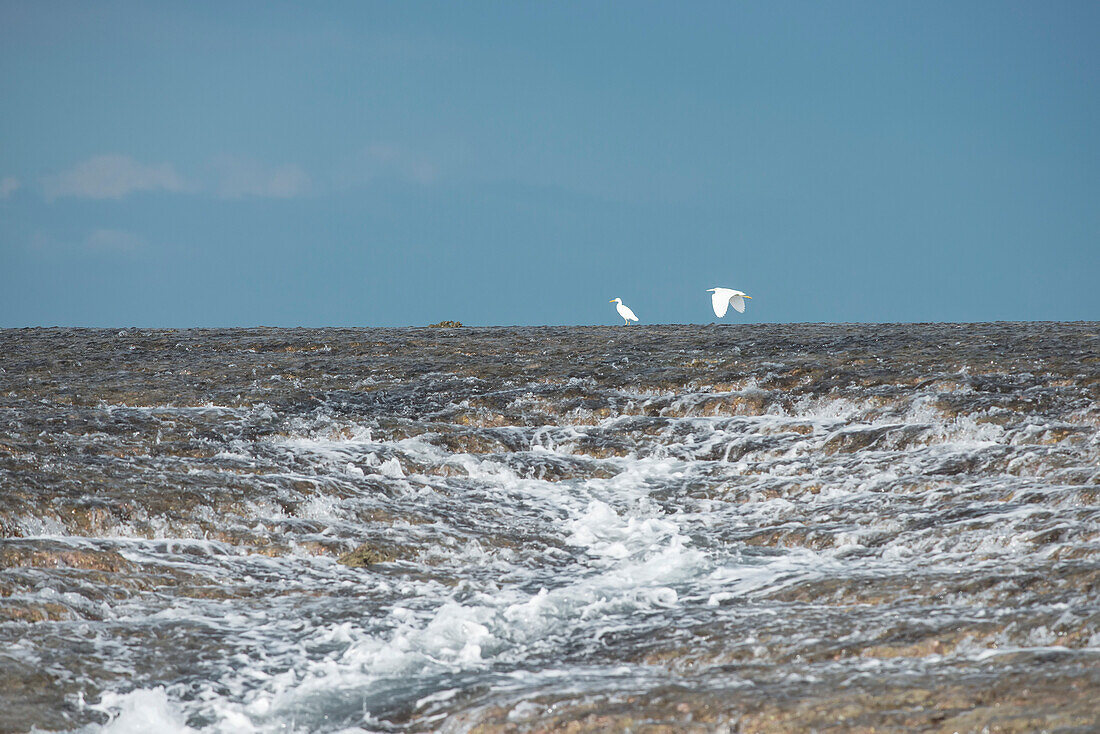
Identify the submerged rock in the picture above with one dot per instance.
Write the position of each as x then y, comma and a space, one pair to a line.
1015, 704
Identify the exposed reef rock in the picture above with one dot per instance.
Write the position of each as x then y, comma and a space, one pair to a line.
369, 554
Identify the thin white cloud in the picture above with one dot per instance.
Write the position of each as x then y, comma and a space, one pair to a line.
115, 176
102, 241
114, 240
111, 176
382, 160
8, 185
239, 178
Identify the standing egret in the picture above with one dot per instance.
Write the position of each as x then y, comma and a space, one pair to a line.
624, 311
724, 297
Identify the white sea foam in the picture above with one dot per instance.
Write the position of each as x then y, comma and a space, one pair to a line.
142, 711
639, 557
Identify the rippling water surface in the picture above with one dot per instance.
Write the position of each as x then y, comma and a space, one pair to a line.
765, 528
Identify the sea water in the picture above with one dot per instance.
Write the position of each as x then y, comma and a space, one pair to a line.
705, 527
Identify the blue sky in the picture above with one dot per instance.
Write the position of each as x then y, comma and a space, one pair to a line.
358, 163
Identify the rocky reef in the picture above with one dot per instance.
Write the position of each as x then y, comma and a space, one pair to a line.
847, 528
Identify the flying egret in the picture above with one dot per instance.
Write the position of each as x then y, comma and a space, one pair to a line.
624, 311
725, 297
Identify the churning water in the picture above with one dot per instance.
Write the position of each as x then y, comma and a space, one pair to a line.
764, 528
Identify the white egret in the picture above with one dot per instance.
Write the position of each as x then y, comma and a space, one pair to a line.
624, 311
723, 298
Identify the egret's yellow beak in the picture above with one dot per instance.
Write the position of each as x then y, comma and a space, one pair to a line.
748, 297
612, 300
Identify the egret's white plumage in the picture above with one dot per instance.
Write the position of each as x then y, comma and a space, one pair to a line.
723, 298
624, 311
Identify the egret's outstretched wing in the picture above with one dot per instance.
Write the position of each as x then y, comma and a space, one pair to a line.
737, 302
720, 301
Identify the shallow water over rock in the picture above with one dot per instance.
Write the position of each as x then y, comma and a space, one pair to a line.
704, 528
